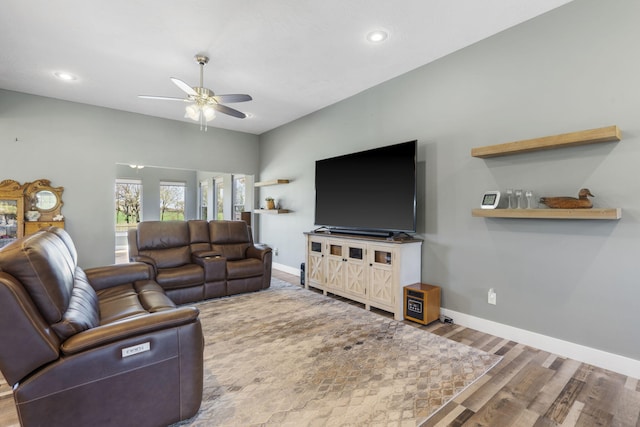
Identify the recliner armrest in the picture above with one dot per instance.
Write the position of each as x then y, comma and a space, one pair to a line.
130, 327
147, 260
258, 251
213, 264
118, 274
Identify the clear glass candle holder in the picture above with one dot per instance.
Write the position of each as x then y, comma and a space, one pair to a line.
509, 193
518, 203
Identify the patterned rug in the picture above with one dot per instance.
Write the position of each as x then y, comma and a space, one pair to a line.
287, 356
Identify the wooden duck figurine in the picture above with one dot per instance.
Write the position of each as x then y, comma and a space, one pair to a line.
582, 202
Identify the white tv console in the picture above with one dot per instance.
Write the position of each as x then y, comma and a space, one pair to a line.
370, 270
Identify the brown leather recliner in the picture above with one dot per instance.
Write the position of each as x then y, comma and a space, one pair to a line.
103, 347
197, 259
248, 267
165, 245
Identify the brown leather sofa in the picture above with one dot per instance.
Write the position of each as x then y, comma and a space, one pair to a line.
100, 347
195, 260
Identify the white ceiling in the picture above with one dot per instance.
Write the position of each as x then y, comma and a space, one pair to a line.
293, 56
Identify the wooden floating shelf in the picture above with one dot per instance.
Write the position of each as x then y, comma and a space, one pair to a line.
271, 211
272, 182
594, 213
592, 136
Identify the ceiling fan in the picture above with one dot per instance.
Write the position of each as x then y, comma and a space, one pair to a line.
203, 102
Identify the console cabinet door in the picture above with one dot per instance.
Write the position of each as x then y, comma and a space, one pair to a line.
355, 279
382, 278
335, 261
315, 268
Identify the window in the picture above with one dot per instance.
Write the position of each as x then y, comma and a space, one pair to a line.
172, 201
219, 198
128, 203
238, 196
204, 199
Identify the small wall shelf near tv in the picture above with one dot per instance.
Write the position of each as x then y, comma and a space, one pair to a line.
271, 182
594, 213
592, 136
265, 184
271, 211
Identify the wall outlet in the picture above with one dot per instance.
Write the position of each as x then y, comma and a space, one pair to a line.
492, 297
275, 251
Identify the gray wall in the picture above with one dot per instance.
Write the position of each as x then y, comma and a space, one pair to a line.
572, 69
77, 146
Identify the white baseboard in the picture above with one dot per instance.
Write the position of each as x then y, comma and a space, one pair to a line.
286, 268
592, 356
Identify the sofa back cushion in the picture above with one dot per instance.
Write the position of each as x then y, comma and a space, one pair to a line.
230, 238
46, 266
83, 312
167, 242
199, 235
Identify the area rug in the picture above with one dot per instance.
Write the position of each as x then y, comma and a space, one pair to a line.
288, 356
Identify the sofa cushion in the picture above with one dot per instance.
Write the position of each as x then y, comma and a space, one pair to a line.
180, 277
167, 242
242, 268
132, 300
152, 296
169, 257
233, 251
82, 313
162, 234
199, 235
66, 239
230, 238
45, 266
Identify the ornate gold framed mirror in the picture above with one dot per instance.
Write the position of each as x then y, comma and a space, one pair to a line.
44, 198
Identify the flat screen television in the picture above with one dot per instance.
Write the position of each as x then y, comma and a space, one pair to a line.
369, 191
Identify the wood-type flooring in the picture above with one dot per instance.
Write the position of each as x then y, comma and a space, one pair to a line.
530, 387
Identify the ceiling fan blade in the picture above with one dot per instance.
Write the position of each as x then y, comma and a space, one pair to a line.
165, 98
185, 87
230, 111
225, 99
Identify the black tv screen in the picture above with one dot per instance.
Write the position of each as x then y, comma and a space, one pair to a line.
370, 190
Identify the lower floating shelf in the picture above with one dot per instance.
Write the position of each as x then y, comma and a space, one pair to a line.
593, 213
271, 211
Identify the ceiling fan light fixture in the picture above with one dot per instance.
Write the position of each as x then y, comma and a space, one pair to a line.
192, 112
209, 113
195, 112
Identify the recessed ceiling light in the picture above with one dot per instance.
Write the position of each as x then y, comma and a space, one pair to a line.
64, 76
249, 115
377, 36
